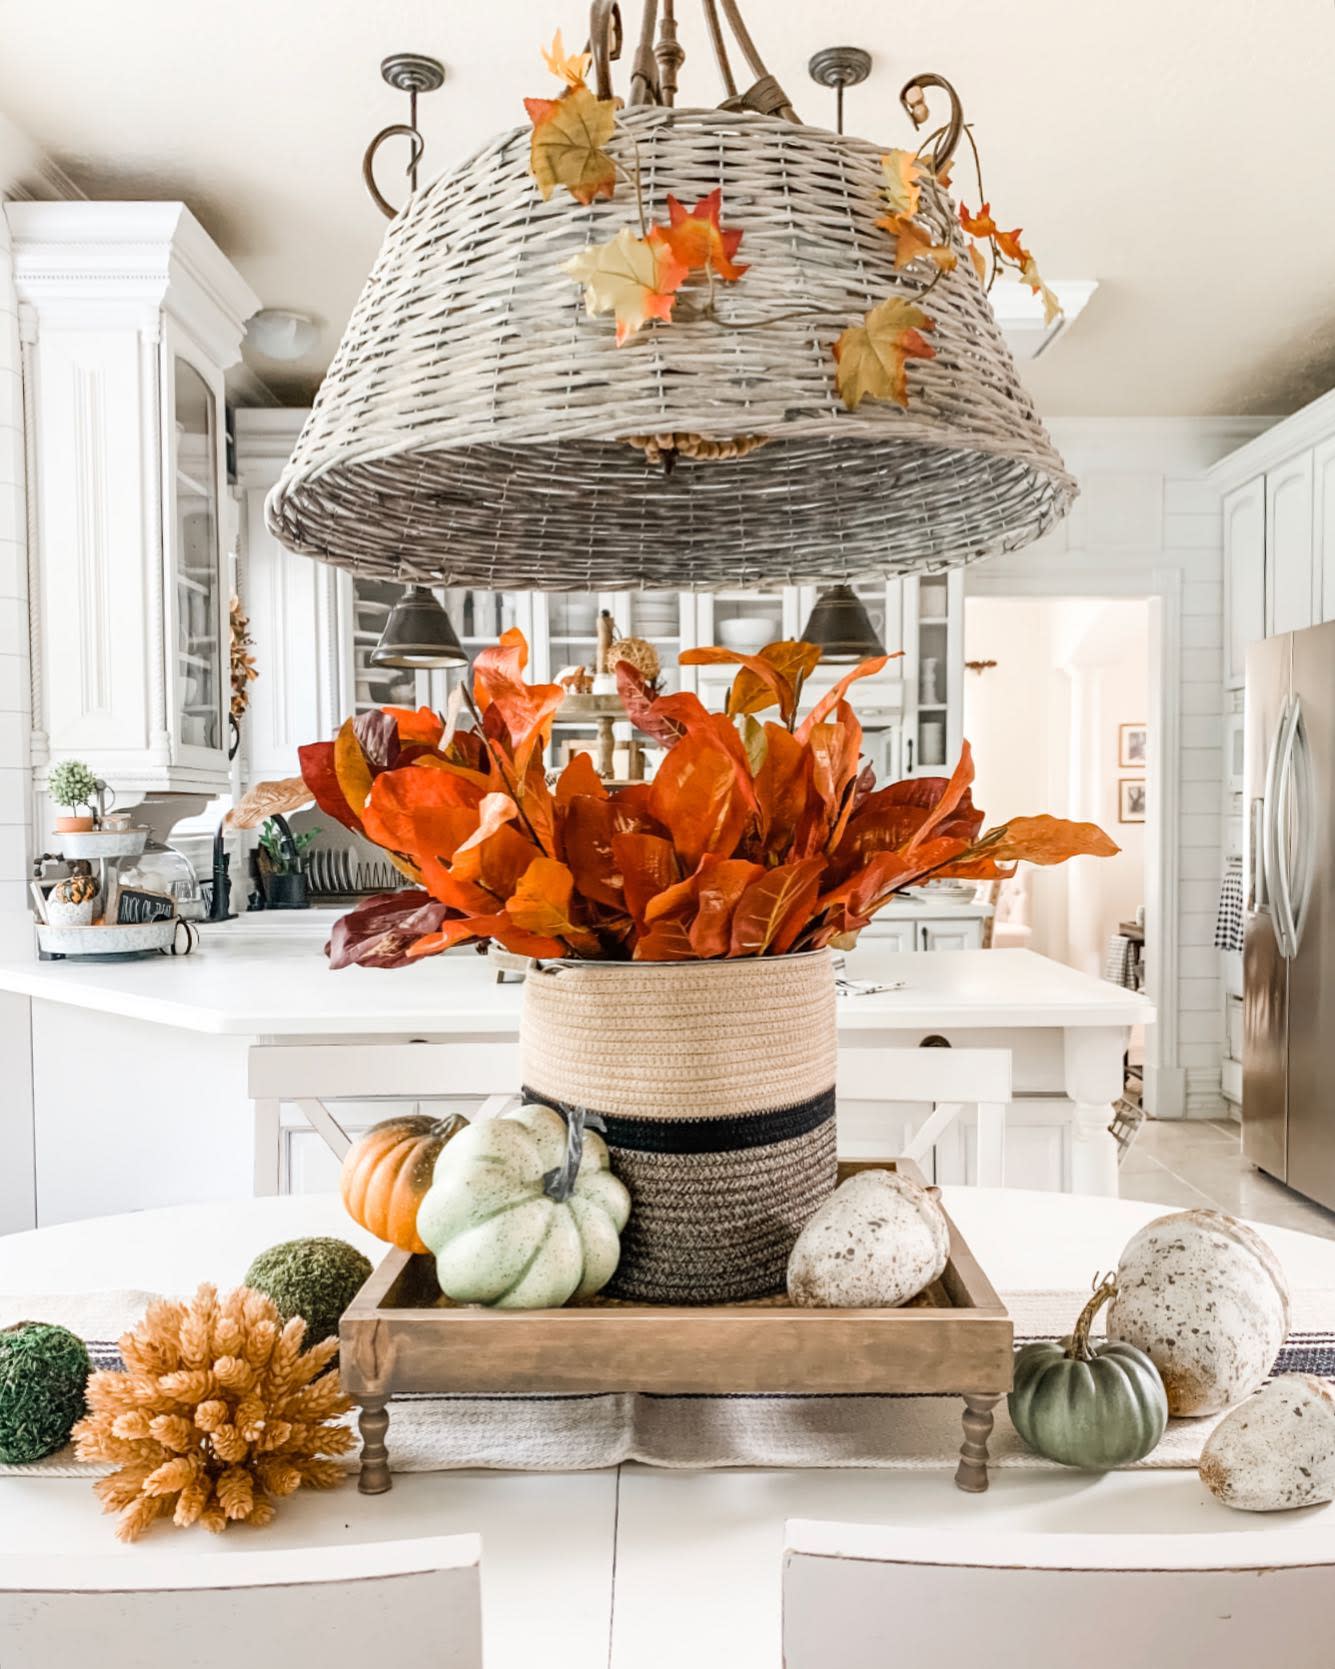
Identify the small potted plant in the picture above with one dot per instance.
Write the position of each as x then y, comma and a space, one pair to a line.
72, 785
283, 864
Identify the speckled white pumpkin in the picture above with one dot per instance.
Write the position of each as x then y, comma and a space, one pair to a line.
498, 1238
876, 1242
1276, 1450
1206, 1300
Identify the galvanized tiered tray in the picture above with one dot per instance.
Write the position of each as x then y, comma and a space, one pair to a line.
397, 1337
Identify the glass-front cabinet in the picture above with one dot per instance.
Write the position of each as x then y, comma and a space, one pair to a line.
200, 688
133, 316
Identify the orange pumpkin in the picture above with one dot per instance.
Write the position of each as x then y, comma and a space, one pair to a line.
386, 1172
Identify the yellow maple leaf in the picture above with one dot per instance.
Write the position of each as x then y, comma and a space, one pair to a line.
570, 67
1052, 308
635, 278
567, 145
870, 358
979, 264
903, 182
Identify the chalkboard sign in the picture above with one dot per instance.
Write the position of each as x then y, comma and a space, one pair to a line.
135, 906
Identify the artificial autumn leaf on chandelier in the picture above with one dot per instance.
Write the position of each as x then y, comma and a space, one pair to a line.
634, 278
902, 172
567, 144
570, 67
871, 358
754, 838
1008, 250
697, 239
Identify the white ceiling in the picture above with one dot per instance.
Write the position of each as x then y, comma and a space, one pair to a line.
1177, 151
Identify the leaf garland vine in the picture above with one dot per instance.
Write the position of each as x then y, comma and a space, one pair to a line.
639, 278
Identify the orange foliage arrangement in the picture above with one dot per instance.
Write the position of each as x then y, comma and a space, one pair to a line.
759, 835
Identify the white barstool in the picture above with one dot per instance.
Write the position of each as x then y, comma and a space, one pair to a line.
950, 1079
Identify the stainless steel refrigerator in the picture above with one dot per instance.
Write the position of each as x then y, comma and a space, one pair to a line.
1288, 1069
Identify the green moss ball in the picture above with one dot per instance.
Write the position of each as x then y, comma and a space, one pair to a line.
316, 1278
43, 1370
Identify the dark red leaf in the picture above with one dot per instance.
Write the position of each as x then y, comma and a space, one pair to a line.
378, 933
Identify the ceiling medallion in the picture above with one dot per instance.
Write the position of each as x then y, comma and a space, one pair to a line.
646, 346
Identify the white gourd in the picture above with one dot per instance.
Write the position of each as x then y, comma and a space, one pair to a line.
1276, 1450
499, 1237
877, 1241
1206, 1299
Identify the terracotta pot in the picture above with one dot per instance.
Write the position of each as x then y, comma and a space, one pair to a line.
73, 825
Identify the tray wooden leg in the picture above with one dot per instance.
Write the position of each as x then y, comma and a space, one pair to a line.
971, 1474
373, 1423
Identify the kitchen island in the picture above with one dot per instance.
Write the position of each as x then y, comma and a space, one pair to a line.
143, 1081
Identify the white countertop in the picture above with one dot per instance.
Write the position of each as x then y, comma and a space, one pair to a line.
248, 985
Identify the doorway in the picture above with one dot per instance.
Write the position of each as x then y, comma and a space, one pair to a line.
1059, 709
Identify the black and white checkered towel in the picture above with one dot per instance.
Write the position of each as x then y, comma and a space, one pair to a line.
1228, 923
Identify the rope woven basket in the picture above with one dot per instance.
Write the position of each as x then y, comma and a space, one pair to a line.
716, 1083
473, 427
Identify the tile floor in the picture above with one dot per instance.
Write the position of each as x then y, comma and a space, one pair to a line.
1195, 1162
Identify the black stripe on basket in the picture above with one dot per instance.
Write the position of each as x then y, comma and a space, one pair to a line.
762, 1128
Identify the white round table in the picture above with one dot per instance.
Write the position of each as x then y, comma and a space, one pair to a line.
672, 1567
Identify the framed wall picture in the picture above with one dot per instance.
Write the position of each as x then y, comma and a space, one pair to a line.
1133, 746
1131, 800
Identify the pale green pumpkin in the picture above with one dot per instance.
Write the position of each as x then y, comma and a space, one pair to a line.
510, 1226
1095, 1406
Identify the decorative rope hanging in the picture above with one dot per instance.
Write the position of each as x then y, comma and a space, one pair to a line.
478, 427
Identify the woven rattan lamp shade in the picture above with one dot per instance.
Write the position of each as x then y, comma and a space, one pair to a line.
471, 429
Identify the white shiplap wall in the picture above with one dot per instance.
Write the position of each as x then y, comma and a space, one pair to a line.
1148, 524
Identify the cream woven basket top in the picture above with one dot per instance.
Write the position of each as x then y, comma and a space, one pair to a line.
471, 429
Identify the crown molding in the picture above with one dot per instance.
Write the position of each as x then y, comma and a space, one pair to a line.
1287, 435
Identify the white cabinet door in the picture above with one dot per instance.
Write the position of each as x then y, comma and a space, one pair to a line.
1244, 577
950, 933
1323, 526
1289, 569
888, 934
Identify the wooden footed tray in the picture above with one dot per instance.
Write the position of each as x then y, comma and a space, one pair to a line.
398, 1336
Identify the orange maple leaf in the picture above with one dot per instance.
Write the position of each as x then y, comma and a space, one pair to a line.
698, 241
870, 357
980, 225
567, 144
635, 278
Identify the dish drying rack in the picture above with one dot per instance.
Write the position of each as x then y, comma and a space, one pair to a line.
339, 872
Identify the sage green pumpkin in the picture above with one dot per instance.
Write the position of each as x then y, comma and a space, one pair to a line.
1093, 1406
520, 1216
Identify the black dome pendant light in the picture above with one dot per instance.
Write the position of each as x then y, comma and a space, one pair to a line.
418, 634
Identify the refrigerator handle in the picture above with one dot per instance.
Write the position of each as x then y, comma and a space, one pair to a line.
1305, 802
1267, 867
1279, 823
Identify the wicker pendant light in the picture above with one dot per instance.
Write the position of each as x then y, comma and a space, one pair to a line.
478, 428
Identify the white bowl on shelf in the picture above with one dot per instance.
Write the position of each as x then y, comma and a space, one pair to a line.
747, 632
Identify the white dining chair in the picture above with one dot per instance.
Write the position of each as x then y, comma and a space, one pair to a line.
950, 1080
860, 1596
339, 1607
313, 1079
